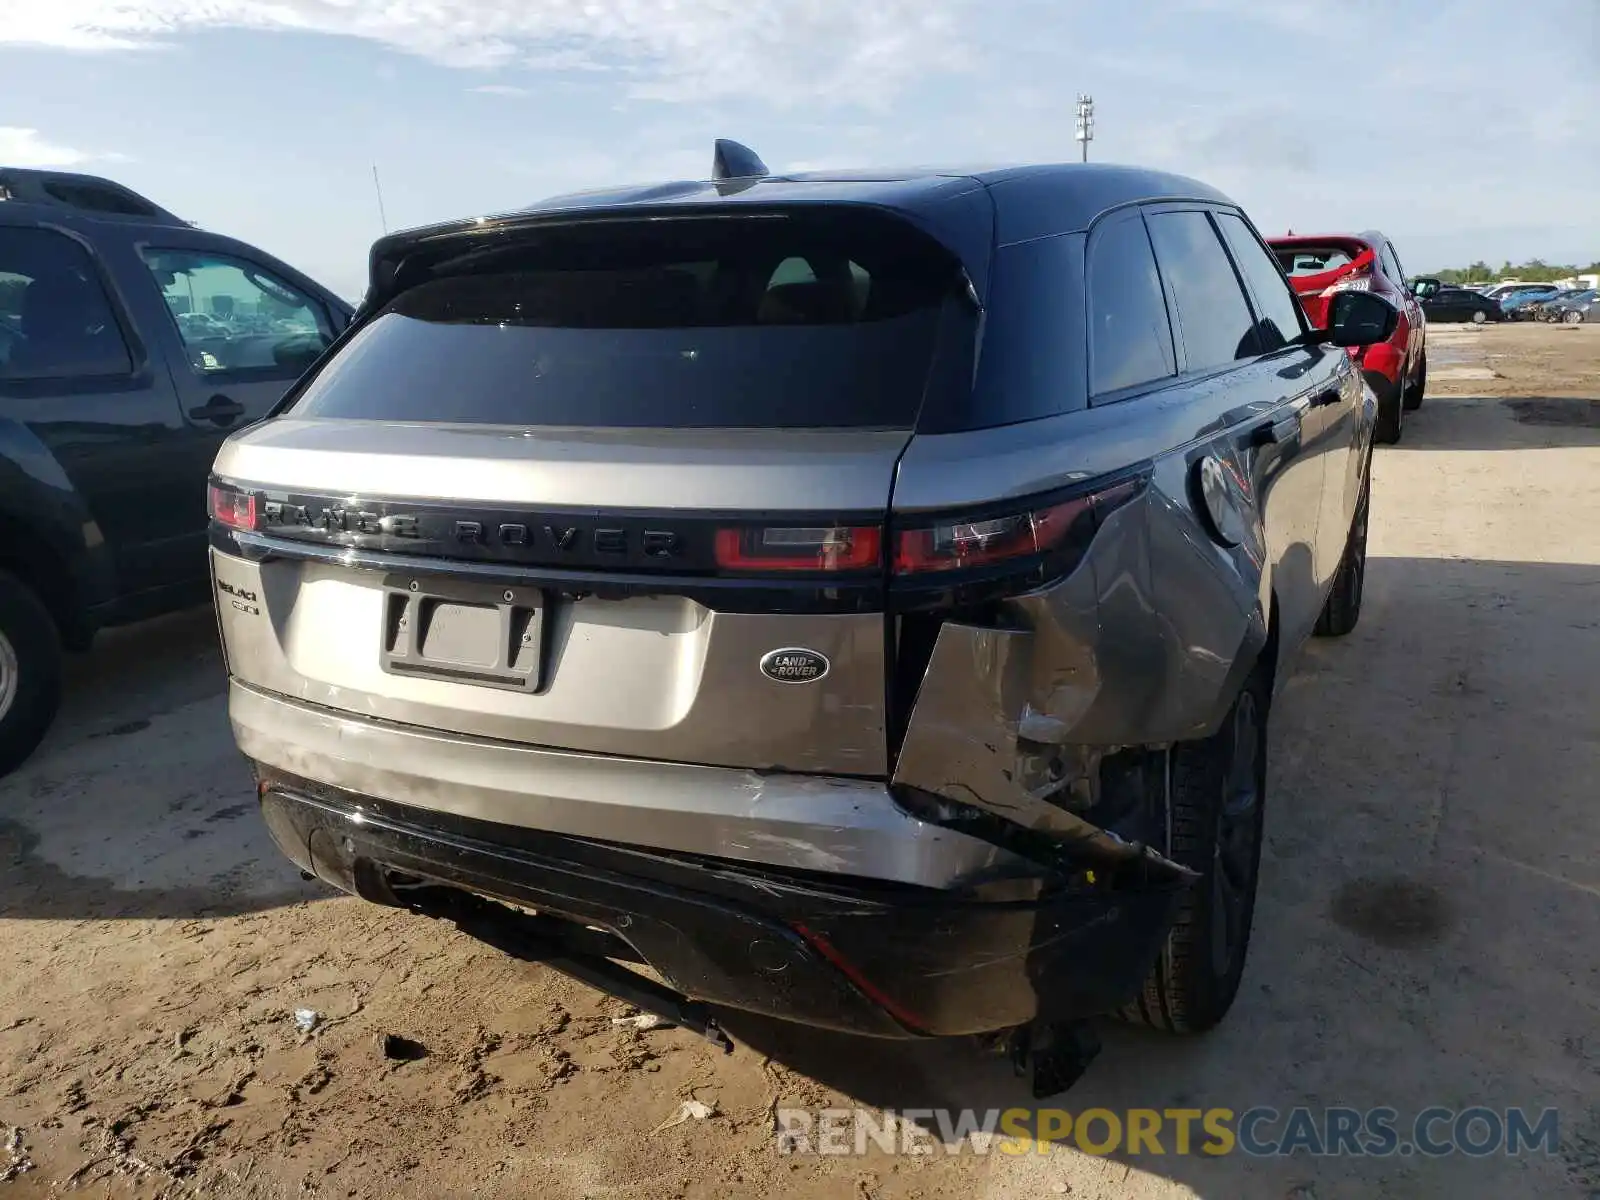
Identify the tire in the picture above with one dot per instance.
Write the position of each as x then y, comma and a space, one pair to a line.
1413, 394
1391, 409
1216, 793
30, 672
1342, 609
1572, 317
1479, 316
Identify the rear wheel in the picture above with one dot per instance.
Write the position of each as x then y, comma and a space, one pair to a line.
1413, 394
1216, 791
30, 671
1391, 409
1572, 317
1479, 316
1342, 609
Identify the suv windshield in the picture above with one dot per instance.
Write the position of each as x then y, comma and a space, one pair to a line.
782, 320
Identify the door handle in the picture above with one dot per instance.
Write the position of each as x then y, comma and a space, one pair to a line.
1276, 433
1331, 396
219, 410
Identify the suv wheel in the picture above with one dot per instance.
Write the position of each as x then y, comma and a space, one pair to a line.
1216, 793
1342, 609
1413, 394
1571, 316
30, 671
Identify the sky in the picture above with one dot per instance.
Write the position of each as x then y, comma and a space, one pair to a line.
1464, 130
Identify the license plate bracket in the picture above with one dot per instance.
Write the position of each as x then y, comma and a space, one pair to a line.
464, 631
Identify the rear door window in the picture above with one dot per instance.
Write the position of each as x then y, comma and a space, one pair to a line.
1277, 309
776, 321
1130, 335
1391, 265
1214, 320
56, 321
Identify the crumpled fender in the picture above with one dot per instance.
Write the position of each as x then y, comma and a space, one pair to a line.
1015, 720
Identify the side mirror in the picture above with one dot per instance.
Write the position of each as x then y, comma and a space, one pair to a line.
1425, 287
1359, 319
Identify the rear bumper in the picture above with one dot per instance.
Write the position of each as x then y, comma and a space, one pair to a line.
843, 826
860, 956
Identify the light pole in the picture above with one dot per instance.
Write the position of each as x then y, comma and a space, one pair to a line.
1085, 124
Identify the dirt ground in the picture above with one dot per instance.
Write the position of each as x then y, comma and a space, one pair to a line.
1428, 931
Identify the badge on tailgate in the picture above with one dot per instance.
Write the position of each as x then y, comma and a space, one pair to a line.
464, 631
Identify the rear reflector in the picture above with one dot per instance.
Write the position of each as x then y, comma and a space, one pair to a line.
817, 548
235, 509
853, 973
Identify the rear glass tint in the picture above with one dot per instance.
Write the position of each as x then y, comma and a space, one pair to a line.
780, 321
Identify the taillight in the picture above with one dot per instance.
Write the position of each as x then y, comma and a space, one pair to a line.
959, 544
1350, 283
235, 509
800, 548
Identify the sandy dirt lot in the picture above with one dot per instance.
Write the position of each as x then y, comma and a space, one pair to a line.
1428, 931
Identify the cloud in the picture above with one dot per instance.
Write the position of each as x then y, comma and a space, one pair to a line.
25, 148
501, 89
786, 52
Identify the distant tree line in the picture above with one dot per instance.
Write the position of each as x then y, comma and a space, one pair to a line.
1535, 270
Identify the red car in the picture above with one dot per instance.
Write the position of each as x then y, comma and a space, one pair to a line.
1317, 267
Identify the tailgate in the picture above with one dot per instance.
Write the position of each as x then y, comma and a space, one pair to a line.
561, 624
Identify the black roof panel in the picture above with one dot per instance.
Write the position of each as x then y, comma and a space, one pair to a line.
89, 196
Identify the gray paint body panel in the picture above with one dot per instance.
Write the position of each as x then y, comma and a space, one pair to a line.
849, 827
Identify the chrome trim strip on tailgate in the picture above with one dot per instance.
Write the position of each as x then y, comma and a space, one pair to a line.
806, 822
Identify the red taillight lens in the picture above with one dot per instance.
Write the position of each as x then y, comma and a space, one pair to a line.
955, 545
236, 510
813, 548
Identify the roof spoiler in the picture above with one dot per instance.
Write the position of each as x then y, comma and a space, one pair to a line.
730, 160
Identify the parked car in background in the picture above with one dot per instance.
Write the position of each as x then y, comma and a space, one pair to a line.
745, 659
1557, 307
1321, 267
1500, 291
1517, 305
1444, 302
120, 374
1578, 310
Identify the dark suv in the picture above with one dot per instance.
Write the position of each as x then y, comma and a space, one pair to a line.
858, 597
131, 343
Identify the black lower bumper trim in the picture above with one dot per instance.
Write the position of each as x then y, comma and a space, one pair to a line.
862, 956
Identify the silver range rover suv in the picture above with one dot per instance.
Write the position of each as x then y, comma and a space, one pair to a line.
857, 597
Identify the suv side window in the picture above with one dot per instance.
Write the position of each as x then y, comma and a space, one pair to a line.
1130, 335
1213, 317
1279, 309
56, 321
235, 316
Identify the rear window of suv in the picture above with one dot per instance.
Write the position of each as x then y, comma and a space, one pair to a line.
776, 321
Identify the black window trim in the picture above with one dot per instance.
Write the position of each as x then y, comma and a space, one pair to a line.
1185, 374
234, 374
1249, 291
138, 373
1105, 220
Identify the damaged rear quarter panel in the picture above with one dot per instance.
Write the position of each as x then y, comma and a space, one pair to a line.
1136, 646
